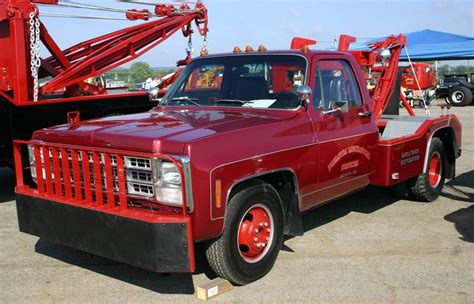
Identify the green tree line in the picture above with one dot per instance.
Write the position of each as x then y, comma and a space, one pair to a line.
137, 73
449, 70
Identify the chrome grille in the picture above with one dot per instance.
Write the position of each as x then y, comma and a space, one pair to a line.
138, 174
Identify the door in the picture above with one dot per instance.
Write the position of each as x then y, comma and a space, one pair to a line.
343, 128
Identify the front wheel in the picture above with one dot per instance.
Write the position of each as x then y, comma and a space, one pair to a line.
429, 184
252, 237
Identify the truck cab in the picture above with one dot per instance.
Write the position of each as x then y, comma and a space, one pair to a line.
240, 145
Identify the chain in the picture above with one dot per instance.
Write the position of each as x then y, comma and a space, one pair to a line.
204, 50
204, 43
190, 49
35, 52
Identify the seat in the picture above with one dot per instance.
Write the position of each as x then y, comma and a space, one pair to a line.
250, 88
336, 90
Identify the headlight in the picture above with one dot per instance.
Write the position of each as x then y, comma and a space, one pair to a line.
32, 160
168, 186
31, 156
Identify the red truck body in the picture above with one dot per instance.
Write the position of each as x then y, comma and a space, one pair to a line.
424, 72
217, 149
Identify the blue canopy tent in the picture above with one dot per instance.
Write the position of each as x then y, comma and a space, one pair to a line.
432, 45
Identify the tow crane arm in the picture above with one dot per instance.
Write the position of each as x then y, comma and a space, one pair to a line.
71, 67
380, 63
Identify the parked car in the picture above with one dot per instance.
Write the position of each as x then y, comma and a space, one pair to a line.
457, 89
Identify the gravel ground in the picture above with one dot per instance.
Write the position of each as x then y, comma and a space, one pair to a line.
369, 247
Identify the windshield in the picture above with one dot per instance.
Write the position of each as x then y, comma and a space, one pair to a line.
254, 81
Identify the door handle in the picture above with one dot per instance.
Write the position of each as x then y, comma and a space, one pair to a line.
365, 114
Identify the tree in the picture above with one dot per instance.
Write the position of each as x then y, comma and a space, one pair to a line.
139, 72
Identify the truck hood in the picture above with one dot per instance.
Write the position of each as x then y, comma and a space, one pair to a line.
159, 131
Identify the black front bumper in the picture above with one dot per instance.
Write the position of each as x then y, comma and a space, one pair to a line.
159, 247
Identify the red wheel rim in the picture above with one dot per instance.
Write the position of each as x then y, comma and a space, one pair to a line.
255, 233
434, 170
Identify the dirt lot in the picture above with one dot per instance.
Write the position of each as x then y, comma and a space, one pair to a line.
369, 247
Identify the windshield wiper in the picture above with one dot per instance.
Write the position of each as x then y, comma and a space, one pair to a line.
242, 102
186, 99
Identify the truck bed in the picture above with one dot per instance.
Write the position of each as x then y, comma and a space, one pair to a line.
404, 141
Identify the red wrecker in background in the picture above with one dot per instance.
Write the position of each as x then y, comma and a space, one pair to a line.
240, 145
27, 104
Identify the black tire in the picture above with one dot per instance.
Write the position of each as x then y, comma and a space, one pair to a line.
224, 253
460, 96
424, 189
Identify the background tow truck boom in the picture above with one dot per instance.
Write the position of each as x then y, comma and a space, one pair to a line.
25, 105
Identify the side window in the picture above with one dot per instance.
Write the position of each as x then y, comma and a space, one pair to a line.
335, 82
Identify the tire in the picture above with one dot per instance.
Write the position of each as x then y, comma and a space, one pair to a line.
235, 256
429, 185
460, 96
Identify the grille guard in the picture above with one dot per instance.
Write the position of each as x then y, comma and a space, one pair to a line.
95, 197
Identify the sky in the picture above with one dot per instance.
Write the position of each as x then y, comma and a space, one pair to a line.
275, 23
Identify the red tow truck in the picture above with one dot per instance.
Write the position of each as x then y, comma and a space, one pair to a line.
238, 148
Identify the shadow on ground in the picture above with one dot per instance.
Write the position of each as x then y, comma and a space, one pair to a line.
366, 201
463, 220
156, 282
7, 185
452, 189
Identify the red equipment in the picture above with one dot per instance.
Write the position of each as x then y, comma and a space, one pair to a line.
425, 73
380, 64
419, 83
21, 67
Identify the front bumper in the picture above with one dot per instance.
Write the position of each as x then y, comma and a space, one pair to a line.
164, 246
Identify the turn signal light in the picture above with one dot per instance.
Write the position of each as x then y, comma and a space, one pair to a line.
218, 193
262, 48
237, 50
248, 49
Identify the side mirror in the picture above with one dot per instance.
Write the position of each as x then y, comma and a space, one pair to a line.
304, 93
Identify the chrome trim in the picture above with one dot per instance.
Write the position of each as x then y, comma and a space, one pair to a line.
185, 162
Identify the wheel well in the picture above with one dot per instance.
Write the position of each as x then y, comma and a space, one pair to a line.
286, 184
283, 181
446, 135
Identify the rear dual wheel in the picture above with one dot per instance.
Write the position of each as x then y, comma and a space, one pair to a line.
252, 236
